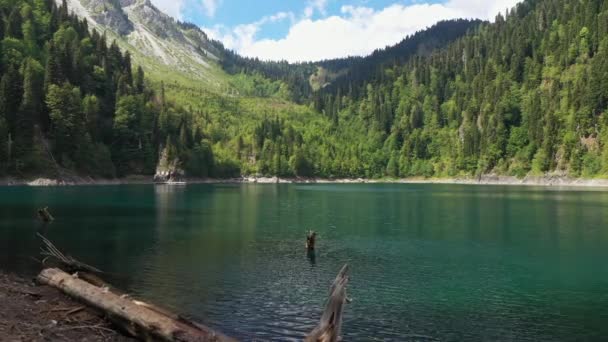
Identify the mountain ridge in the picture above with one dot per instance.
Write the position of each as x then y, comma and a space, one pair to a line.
153, 38
144, 30
524, 95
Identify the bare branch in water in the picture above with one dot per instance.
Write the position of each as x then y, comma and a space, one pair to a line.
72, 264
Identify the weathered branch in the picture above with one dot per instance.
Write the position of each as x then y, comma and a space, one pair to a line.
70, 263
330, 326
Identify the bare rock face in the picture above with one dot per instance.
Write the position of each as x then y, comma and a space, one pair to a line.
157, 22
109, 13
125, 3
115, 20
187, 36
169, 167
147, 32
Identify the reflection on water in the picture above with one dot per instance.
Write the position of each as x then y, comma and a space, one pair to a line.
312, 256
429, 262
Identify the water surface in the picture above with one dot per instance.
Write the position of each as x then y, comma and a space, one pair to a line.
429, 262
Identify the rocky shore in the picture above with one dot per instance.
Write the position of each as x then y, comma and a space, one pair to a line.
546, 180
29, 312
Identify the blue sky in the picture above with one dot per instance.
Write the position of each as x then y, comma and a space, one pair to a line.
231, 13
304, 30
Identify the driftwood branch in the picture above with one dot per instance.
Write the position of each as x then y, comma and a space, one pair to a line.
72, 265
140, 319
330, 326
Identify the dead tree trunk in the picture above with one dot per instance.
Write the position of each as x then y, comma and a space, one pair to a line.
330, 326
140, 319
311, 239
44, 215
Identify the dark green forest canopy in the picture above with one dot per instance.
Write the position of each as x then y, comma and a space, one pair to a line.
351, 73
525, 94
72, 102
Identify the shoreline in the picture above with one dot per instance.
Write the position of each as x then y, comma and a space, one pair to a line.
32, 312
544, 181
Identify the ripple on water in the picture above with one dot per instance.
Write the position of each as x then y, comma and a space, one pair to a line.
429, 262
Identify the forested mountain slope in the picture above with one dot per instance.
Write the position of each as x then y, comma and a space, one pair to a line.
527, 93
130, 129
70, 102
524, 94
347, 74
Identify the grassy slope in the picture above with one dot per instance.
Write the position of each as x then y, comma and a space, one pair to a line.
222, 106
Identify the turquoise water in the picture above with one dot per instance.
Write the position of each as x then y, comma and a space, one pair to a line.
428, 262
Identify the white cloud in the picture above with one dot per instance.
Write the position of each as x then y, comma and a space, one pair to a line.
483, 9
244, 35
211, 6
357, 30
315, 5
170, 7
175, 8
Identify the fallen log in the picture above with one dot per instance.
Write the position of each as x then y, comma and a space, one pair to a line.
140, 319
330, 326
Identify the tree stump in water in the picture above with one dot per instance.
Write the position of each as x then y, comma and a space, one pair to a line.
330, 326
311, 238
44, 215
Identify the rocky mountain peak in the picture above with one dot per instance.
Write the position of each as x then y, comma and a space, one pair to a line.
147, 32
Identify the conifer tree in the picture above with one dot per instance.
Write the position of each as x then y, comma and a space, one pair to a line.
14, 22
11, 93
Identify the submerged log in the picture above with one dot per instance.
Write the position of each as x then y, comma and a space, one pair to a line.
312, 256
330, 326
142, 320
